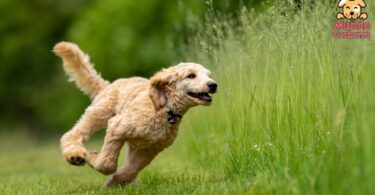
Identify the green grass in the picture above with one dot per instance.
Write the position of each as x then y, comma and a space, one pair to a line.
36, 167
295, 114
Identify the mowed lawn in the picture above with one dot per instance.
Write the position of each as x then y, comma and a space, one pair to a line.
294, 114
30, 167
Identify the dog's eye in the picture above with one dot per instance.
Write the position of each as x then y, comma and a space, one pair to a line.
355, 7
191, 76
347, 7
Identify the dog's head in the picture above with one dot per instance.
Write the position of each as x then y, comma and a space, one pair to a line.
186, 84
352, 8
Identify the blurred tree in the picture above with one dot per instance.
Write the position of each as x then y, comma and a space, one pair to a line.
28, 29
126, 38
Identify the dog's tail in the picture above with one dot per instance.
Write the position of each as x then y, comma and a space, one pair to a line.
77, 65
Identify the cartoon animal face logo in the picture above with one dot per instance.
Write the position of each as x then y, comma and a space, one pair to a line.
352, 9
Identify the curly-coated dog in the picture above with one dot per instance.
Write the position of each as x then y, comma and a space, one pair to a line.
143, 113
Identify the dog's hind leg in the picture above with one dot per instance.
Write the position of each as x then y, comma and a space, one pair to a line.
95, 117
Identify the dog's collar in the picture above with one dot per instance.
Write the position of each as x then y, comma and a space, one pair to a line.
173, 117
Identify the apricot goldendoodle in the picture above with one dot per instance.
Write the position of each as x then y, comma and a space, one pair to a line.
144, 113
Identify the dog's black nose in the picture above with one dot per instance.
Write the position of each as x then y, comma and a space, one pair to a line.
351, 13
212, 87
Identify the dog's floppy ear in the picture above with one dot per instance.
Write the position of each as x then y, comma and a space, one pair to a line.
342, 3
157, 90
361, 3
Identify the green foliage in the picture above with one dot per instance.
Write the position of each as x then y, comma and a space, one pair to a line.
295, 108
127, 38
28, 31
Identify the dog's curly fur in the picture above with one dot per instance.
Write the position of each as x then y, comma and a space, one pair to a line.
134, 110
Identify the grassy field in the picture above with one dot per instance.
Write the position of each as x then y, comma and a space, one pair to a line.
295, 114
34, 167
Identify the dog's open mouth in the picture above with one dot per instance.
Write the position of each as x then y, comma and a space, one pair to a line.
203, 97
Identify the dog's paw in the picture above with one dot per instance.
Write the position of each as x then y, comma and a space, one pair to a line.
76, 160
340, 16
75, 155
106, 168
363, 16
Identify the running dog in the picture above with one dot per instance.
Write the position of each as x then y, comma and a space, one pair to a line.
144, 113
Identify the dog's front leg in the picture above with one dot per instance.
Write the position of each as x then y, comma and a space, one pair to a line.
106, 161
137, 159
95, 117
